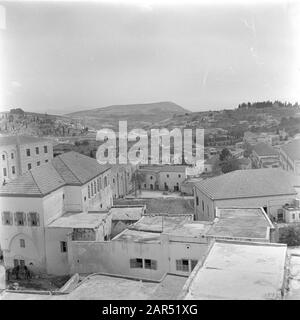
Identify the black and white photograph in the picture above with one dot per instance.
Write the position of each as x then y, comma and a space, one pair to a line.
149, 150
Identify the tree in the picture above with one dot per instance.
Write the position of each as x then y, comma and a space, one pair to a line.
137, 179
230, 165
225, 155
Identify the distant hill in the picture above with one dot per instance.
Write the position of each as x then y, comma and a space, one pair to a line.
136, 114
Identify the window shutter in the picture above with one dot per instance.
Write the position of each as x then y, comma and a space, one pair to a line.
3, 218
154, 264
132, 263
16, 218
11, 219
37, 219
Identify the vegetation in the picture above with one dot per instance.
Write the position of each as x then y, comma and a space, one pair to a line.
290, 235
137, 179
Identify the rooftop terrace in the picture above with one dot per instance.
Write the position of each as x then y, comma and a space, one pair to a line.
239, 270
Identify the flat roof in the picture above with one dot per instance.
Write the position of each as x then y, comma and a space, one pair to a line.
161, 222
127, 213
192, 229
138, 236
107, 287
241, 223
239, 270
78, 220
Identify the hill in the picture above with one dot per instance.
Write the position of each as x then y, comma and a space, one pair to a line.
137, 115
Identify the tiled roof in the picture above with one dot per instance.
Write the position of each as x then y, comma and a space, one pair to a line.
163, 168
24, 184
248, 183
292, 149
14, 140
67, 169
264, 149
83, 168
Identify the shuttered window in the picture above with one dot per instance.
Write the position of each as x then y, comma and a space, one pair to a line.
33, 219
20, 219
7, 218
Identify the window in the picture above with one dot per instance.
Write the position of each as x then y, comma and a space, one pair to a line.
12, 155
207, 209
89, 191
45, 149
33, 219
22, 243
293, 216
151, 177
19, 219
13, 169
197, 201
63, 246
202, 205
167, 176
4, 172
7, 218
136, 263
29, 166
37, 150
46, 160
182, 265
92, 190
150, 264
179, 176
38, 163
145, 185
95, 188
84, 198
28, 152
98, 185
113, 180
3, 157
105, 181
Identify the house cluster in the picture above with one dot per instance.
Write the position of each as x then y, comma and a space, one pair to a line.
60, 218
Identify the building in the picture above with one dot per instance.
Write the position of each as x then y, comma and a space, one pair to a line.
70, 184
22, 153
290, 156
239, 270
267, 188
163, 243
265, 156
121, 180
163, 177
124, 216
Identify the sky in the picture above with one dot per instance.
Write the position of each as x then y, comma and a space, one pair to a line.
60, 57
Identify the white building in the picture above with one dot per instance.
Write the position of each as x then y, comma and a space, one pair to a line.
70, 184
239, 270
267, 188
22, 153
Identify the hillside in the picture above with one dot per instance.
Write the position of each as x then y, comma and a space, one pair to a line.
137, 115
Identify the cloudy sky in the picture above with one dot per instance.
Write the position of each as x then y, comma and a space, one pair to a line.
61, 57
